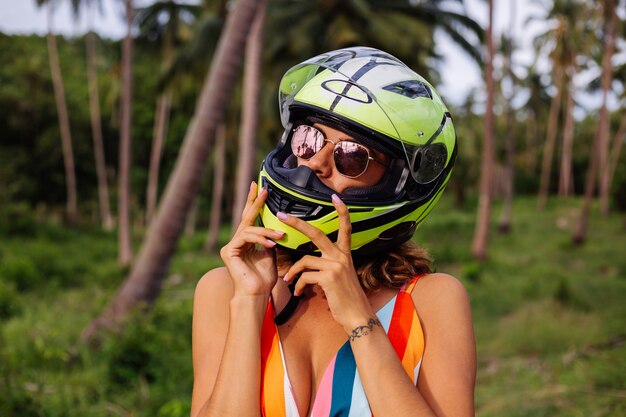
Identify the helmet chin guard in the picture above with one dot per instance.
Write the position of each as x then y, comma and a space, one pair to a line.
381, 103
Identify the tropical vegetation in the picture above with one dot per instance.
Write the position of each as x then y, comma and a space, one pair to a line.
111, 150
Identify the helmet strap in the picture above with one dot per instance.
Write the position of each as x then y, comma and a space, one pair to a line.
285, 314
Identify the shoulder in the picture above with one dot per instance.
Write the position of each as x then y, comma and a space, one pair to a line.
212, 294
215, 284
437, 293
448, 369
439, 284
210, 307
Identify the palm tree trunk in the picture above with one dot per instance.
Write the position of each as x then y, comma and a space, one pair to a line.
192, 217
509, 168
64, 124
125, 253
249, 113
218, 188
601, 136
565, 179
603, 123
144, 282
96, 132
616, 150
509, 173
532, 132
481, 233
161, 122
548, 150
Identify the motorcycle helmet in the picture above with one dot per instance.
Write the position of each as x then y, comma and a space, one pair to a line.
383, 104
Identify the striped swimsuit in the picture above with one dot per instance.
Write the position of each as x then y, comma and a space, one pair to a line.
341, 392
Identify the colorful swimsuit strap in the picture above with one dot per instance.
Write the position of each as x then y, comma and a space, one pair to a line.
340, 393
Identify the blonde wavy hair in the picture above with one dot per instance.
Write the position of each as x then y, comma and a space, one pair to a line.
390, 269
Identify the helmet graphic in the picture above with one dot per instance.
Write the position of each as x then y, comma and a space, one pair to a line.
379, 101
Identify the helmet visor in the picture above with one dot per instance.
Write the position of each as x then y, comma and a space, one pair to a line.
370, 88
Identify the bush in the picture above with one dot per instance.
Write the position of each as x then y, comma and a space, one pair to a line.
14, 400
130, 357
21, 272
17, 219
9, 300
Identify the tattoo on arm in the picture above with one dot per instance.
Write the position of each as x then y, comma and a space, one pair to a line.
361, 331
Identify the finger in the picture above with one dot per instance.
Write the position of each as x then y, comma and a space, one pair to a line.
318, 237
251, 214
250, 238
344, 236
307, 278
306, 263
252, 192
249, 235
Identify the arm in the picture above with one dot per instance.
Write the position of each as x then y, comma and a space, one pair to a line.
448, 369
449, 357
448, 372
229, 307
226, 346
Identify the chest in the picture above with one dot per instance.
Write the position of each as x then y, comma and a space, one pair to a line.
313, 345
309, 341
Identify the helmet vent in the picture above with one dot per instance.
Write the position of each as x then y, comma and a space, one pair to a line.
410, 89
277, 202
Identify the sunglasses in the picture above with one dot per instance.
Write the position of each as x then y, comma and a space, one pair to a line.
351, 158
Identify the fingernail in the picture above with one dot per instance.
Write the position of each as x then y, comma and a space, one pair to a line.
281, 216
285, 278
271, 242
279, 232
336, 199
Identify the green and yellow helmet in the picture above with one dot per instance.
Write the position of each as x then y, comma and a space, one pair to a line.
378, 100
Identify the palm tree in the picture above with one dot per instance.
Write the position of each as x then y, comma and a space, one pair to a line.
196, 53
556, 57
565, 179
219, 159
404, 27
534, 110
580, 43
125, 251
64, 123
481, 233
602, 133
507, 46
94, 111
144, 282
250, 112
603, 130
620, 136
162, 22
567, 39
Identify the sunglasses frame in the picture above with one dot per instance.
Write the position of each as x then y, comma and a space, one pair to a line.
335, 144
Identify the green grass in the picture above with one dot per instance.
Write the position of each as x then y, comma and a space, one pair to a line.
550, 318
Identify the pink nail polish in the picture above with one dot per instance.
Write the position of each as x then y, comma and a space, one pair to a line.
281, 216
285, 278
336, 199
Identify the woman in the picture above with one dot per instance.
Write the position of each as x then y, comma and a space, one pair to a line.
326, 308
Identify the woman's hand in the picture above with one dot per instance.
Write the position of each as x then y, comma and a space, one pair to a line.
334, 271
252, 269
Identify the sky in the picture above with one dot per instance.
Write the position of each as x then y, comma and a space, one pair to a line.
458, 73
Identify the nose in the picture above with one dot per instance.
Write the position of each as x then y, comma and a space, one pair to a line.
322, 162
